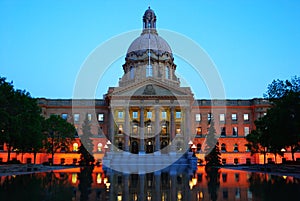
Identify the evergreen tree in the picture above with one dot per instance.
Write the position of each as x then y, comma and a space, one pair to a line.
212, 151
86, 147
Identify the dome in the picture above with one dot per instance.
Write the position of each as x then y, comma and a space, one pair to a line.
156, 43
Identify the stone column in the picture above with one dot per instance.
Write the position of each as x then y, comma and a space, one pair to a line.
157, 129
126, 187
172, 119
187, 124
111, 129
142, 187
126, 129
142, 131
157, 176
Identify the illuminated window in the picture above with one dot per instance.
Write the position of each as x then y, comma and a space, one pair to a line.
246, 130
246, 117
234, 117
134, 115
76, 117
64, 116
164, 115
149, 115
100, 117
99, 147
120, 114
120, 129
75, 147
198, 117
164, 129
199, 131
178, 114
149, 128
89, 116
222, 117
209, 116
74, 178
235, 131
178, 129
135, 129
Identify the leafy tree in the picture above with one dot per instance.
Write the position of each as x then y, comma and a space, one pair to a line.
60, 134
86, 147
212, 151
20, 120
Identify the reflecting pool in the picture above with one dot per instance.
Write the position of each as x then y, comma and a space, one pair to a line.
170, 184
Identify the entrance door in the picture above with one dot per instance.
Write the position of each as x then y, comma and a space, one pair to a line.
134, 147
149, 147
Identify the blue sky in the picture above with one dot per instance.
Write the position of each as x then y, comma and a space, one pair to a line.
44, 43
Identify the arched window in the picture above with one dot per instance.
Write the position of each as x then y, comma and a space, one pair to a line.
167, 72
236, 148
120, 129
131, 72
99, 147
75, 146
223, 147
149, 71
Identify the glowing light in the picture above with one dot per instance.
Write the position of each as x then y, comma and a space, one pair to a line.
108, 142
200, 195
283, 150
99, 179
191, 185
119, 197
194, 146
105, 180
194, 180
284, 176
190, 142
179, 195
74, 178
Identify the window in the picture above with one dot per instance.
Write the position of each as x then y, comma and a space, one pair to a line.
199, 131
234, 117
224, 175
134, 115
120, 114
135, 129
89, 116
223, 131
120, 129
209, 116
64, 116
236, 161
163, 115
99, 147
236, 148
247, 148
100, 117
246, 130
75, 147
149, 115
198, 117
164, 129
178, 129
224, 162
178, 114
223, 147
246, 117
131, 72
62, 161
222, 117
167, 72
149, 128
235, 131
76, 117
149, 72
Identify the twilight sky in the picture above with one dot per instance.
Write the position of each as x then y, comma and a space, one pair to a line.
43, 44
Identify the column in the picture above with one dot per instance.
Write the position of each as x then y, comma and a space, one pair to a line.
111, 129
157, 129
187, 124
142, 131
157, 176
126, 129
126, 187
172, 119
142, 187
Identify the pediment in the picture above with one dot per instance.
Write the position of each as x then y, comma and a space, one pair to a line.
151, 88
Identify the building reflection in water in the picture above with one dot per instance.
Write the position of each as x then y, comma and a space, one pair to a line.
169, 184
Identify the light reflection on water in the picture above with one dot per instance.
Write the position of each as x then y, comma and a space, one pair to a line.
171, 184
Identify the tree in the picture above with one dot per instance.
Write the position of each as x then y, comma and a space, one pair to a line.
86, 147
60, 134
213, 182
20, 120
212, 151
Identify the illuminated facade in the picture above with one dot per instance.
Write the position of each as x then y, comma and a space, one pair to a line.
149, 112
